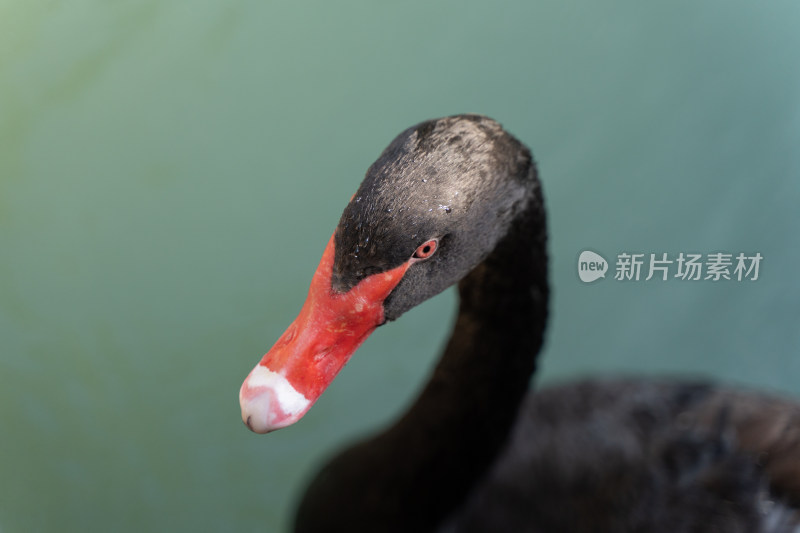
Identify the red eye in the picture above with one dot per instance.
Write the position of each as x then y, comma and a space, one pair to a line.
426, 249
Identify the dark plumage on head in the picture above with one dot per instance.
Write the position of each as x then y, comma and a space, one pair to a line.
445, 179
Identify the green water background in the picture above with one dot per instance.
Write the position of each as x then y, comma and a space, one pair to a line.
170, 172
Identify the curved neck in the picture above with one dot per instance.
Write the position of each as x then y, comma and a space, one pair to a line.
413, 475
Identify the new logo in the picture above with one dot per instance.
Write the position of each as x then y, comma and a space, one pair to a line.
591, 266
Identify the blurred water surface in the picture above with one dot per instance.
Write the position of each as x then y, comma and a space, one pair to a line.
170, 172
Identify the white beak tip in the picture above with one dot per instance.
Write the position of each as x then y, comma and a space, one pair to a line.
269, 401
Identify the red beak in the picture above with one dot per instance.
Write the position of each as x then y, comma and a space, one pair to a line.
315, 347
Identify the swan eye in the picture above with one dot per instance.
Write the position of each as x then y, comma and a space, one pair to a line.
426, 249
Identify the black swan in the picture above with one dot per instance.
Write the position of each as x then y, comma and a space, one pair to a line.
458, 200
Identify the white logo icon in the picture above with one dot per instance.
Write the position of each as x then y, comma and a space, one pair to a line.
591, 266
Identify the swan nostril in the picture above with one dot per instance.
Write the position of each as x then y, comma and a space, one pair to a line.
287, 337
322, 353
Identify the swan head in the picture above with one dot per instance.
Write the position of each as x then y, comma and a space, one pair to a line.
431, 208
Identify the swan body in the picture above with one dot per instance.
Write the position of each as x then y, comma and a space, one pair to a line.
458, 200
